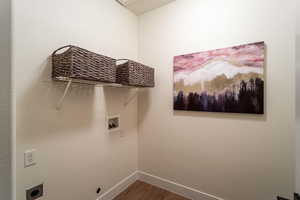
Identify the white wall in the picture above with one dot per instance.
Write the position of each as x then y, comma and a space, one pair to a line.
233, 156
75, 154
298, 97
298, 58
5, 98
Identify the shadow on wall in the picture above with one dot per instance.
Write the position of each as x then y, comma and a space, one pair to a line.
83, 107
115, 99
238, 116
36, 109
144, 104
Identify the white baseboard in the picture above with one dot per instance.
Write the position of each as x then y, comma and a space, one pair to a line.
176, 188
119, 187
171, 186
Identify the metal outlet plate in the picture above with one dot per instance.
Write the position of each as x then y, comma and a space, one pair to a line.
35, 192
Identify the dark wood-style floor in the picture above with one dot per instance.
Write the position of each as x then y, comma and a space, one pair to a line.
143, 191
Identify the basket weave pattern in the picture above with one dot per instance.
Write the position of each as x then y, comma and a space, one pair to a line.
136, 74
78, 63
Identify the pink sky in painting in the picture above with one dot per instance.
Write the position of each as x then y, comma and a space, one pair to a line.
250, 55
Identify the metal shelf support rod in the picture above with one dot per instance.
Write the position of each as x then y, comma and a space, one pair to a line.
60, 102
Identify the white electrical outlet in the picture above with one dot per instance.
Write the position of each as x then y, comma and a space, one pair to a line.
29, 158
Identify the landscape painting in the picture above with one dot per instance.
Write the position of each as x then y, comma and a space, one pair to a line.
227, 80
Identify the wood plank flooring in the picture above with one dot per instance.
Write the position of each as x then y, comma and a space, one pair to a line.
143, 191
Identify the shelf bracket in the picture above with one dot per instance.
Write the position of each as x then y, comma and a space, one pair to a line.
130, 98
61, 100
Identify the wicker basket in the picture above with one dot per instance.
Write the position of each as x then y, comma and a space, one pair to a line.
132, 73
78, 63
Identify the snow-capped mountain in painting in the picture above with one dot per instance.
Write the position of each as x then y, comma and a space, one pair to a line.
214, 69
222, 80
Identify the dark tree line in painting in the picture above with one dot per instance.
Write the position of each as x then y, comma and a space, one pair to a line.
248, 99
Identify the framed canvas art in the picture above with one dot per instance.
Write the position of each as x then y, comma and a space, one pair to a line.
222, 80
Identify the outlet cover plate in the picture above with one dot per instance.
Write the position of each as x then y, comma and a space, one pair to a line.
29, 158
35, 192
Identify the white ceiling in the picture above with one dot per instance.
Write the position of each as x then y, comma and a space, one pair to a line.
141, 6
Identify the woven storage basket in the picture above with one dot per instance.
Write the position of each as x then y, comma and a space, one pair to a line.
136, 74
78, 63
